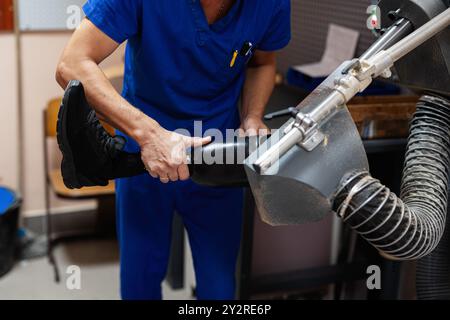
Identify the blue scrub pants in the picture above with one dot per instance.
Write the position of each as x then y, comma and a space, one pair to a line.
212, 217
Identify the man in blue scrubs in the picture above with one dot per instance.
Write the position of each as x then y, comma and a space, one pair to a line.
186, 61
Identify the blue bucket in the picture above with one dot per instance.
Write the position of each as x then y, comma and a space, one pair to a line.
9, 217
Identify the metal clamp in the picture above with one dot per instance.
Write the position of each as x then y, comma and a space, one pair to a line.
311, 135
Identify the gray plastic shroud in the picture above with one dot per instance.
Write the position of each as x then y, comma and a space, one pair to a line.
299, 188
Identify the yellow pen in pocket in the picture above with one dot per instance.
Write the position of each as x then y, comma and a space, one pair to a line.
233, 59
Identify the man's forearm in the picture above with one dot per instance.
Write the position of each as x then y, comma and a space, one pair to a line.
102, 96
258, 88
163, 152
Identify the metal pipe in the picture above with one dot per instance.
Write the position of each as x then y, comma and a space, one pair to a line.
397, 31
419, 36
380, 59
328, 106
272, 155
393, 34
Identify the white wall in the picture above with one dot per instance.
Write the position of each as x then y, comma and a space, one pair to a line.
40, 53
8, 112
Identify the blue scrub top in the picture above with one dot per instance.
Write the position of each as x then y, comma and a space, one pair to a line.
177, 67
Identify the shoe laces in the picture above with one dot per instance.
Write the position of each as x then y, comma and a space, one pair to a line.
105, 143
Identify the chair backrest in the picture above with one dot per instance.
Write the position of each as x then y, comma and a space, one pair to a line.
51, 118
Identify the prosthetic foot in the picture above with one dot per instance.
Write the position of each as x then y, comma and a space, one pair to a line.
91, 156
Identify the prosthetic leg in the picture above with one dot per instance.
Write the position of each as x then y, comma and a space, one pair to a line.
92, 157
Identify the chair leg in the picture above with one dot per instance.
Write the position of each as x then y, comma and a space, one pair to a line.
54, 263
49, 233
50, 242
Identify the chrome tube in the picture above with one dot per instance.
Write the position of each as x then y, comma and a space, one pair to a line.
327, 107
393, 34
418, 37
272, 155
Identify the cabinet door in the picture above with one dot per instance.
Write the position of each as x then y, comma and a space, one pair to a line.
6, 15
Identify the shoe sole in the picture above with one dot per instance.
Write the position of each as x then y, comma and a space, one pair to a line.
68, 169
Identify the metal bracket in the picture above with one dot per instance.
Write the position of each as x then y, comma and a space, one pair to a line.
312, 141
311, 134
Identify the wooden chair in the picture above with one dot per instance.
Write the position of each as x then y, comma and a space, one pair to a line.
54, 181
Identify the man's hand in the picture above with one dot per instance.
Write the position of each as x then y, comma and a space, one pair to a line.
164, 154
252, 126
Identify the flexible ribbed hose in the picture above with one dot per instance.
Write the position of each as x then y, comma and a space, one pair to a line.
409, 227
433, 271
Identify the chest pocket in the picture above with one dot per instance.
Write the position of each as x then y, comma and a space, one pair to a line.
234, 65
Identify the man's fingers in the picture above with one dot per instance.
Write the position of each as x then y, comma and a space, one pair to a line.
158, 172
163, 175
151, 171
173, 175
164, 180
265, 132
154, 175
251, 132
196, 142
241, 132
183, 172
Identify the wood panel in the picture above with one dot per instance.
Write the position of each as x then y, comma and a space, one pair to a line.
6, 15
383, 117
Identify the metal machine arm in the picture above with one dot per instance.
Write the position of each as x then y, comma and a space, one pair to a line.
355, 77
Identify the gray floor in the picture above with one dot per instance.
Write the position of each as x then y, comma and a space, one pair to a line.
98, 262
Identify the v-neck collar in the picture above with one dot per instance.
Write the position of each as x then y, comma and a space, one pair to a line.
202, 20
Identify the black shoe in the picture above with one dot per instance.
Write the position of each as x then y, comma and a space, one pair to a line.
91, 156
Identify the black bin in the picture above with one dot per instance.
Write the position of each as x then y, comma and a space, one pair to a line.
9, 217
